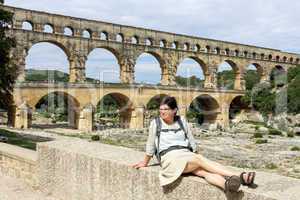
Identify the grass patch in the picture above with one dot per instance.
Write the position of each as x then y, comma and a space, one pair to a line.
261, 141
257, 135
271, 166
273, 131
290, 134
295, 148
257, 124
19, 140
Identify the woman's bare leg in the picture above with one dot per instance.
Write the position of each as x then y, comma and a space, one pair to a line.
210, 166
207, 165
214, 179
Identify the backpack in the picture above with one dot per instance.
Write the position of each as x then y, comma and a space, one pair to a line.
159, 130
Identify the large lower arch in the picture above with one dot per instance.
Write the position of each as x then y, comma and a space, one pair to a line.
115, 109
102, 65
204, 109
57, 107
42, 66
237, 106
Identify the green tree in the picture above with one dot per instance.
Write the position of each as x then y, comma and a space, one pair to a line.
8, 71
293, 90
225, 79
251, 78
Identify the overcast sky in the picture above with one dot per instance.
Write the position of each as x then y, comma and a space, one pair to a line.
267, 23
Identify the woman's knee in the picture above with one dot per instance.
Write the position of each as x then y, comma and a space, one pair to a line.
200, 172
200, 158
190, 167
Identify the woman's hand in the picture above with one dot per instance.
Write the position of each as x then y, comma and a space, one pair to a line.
140, 164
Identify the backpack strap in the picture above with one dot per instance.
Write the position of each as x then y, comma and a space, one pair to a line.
179, 121
158, 130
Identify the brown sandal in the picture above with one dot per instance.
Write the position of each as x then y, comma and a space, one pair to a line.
250, 178
232, 184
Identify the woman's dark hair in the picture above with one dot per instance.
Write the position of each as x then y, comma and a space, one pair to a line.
169, 101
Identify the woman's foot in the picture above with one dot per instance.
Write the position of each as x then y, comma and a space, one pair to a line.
247, 178
232, 184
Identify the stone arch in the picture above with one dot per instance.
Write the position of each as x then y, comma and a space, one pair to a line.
103, 35
87, 33
199, 61
103, 64
124, 110
260, 69
114, 51
48, 28
56, 43
27, 25
135, 39
284, 59
174, 45
228, 74
227, 51
270, 57
254, 54
149, 41
120, 37
203, 109
207, 49
186, 46
65, 100
278, 76
237, 106
60, 51
197, 48
163, 43
68, 30
157, 57
217, 50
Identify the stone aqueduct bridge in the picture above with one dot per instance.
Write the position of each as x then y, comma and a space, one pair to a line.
127, 43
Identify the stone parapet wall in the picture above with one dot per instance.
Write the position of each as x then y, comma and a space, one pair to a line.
18, 163
81, 170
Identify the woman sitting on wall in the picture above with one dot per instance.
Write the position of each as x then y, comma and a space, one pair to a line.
171, 140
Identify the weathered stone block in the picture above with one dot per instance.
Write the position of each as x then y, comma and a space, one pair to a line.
77, 169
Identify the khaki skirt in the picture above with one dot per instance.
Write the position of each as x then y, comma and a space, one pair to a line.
173, 164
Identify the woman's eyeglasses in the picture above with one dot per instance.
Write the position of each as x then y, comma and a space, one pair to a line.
165, 109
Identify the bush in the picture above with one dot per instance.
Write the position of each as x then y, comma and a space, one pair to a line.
290, 134
257, 135
95, 138
261, 141
295, 148
271, 166
273, 131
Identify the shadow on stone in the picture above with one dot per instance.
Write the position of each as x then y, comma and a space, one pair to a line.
253, 186
169, 188
234, 195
